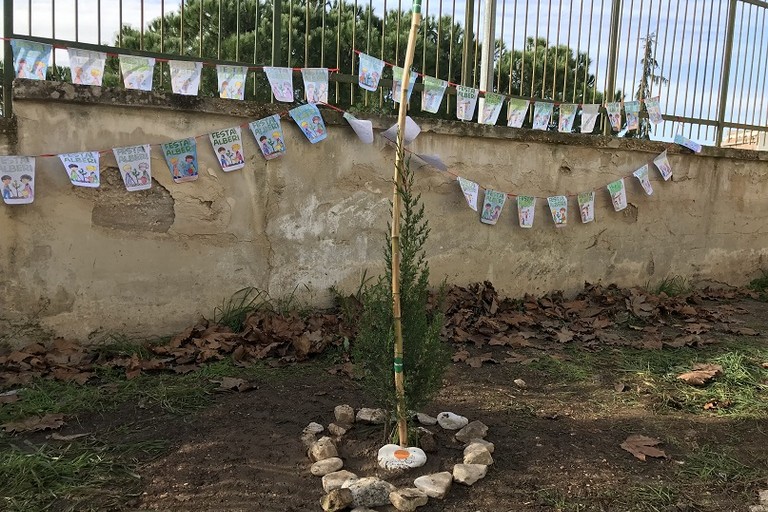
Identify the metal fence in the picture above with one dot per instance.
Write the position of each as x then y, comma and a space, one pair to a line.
706, 59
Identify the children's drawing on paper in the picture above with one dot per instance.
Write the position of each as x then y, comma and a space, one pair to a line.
181, 157
134, 163
17, 179
82, 168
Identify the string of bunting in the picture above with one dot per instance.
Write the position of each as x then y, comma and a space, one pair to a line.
134, 162
371, 68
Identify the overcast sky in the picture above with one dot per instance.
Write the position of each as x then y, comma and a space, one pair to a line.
691, 38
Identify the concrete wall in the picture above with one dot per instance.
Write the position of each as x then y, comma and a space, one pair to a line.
85, 262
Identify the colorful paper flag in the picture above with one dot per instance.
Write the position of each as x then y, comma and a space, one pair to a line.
134, 163
492, 103
567, 116
516, 111
632, 111
654, 110
586, 202
82, 168
558, 206
433, 160
310, 121
281, 83
30, 59
642, 175
17, 179
688, 143
86, 67
231, 81
466, 101
315, 84
370, 72
432, 95
181, 157
268, 133
228, 146
397, 83
618, 194
542, 112
662, 163
471, 190
137, 72
185, 76
492, 206
362, 128
526, 210
589, 115
614, 115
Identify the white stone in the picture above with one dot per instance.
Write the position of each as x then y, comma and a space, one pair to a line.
476, 429
426, 419
436, 485
336, 500
393, 457
757, 508
488, 445
325, 466
337, 480
370, 492
373, 416
476, 453
468, 474
323, 449
408, 499
337, 430
313, 428
451, 421
520, 383
345, 414
763, 497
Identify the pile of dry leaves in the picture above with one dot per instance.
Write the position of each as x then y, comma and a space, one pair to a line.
474, 314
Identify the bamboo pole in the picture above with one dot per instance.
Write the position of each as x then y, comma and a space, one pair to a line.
402, 420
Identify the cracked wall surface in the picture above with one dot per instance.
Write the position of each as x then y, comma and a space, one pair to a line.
151, 262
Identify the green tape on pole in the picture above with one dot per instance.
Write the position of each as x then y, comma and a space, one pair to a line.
398, 365
417, 6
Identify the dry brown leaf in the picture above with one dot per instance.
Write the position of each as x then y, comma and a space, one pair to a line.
233, 384
643, 446
477, 361
35, 424
620, 387
564, 335
701, 374
9, 397
460, 356
743, 331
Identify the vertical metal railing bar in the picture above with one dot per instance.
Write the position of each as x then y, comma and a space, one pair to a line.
366, 95
383, 42
397, 35
181, 28
557, 50
656, 48
546, 50
439, 37
726, 71
597, 62
706, 67
688, 72
450, 54
120, 24
77, 19
306, 32
322, 31
339, 4
141, 25
626, 55
680, 69
568, 54
256, 19
613, 57
535, 46
424, 29
162, 39
663, 65
745, 84
29, 14
525, 44
53, 29
352, 52
498, 67
512, 49
98, 21
475, 78
763, 52
218, 38
578, 49
8, 70
289, 62
200, 23
672, 80
589, 47
734, 86
765, 85
752, 16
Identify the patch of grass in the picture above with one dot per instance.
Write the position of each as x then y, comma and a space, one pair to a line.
672, 286
74, 477
234, 310
654, 497
760, 285
577, 369
742, 390
717, 466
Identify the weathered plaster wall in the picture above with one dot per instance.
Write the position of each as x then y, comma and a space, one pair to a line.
105, 260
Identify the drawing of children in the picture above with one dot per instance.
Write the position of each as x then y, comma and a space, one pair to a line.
6, 187
496, 212
266, 148
317, 125
130, 180
38, 70
279, 146
523, 215
223, 157
238, 156
92, 177
22, 72
26, 191
186, 85
307, 130
616, 199
190, 161
224, 92
487, 211
311, 98
144, 169
585, 212
563, 216
374, 79
175, 168
78, 78
74, 172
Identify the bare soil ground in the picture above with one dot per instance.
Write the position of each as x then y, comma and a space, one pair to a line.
557, 441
